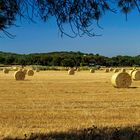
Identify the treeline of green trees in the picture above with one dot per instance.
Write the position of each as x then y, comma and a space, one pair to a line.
67, 59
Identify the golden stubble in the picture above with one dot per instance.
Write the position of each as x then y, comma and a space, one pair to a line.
56, 101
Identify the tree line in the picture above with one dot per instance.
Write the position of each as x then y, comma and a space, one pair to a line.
68, 59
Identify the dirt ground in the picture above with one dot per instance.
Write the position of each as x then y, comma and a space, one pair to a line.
56, 101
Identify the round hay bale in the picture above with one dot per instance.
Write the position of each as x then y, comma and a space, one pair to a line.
116, 70
111, 69
130, 72
25, 71
37, 70
107, 70
6, 71
136, 75
123, 70
19, 75
71, 71
30, 72
78, 69
92, 71
14, 68
121, 80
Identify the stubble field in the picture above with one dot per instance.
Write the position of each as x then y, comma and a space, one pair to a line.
55, 101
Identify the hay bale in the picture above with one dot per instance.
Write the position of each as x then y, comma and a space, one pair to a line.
37, 70
136, 75
130, 72
25, 71
30, 72
19, 75
78, 69
123, 70
116, 70
121, 80
111, 69
71, 71
5, 70
92, 71
107, 70
14, 68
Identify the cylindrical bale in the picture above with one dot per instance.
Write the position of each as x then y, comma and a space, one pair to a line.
92, 71
121, 80
37, 70
78, 69
25, 71
131, 72
71, 71
136, 75
5, 70
116, 70
123, 70
107, 70
14, 68
19, 75
30, 72
111, 69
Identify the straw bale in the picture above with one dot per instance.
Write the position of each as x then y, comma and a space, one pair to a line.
19, 75
121, 80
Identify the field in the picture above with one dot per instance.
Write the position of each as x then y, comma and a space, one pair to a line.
55, 101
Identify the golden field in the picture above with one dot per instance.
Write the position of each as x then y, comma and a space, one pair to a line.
55, 101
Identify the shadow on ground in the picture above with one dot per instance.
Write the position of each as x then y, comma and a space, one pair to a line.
92, 133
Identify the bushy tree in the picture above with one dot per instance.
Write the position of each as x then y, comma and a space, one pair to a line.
80, 15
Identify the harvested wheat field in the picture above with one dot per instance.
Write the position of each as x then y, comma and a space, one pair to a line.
55, 101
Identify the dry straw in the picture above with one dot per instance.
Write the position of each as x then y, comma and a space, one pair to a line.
71, 71
37, 70
131, 72
107, 70
19, 75
136, 75
123, 70
25, 71
6, 71
121, 80
92, 71
111, 69
30, 72
116, 70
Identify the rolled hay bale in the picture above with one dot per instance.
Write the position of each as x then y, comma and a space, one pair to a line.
30, 72
71, 71
135, 75
78, 69
92, 71
130, 72
5, 70
25, 71
19, 75
14, 68
107, 70
121, 80
37, 70
123, 70
116, 70
111, 69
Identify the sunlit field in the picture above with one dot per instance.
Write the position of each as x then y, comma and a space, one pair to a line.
55, 101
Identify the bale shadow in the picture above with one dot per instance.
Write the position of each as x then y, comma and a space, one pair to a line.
92, 133
133, 87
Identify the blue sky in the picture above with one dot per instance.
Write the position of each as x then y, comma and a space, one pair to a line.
119, 37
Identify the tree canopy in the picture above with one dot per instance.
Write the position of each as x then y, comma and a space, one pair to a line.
80, 15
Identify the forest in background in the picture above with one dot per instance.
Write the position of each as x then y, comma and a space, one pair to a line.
67, 59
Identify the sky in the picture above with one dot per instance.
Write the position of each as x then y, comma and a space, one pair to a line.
118, 37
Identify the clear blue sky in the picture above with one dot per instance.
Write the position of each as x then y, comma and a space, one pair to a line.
119, 37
